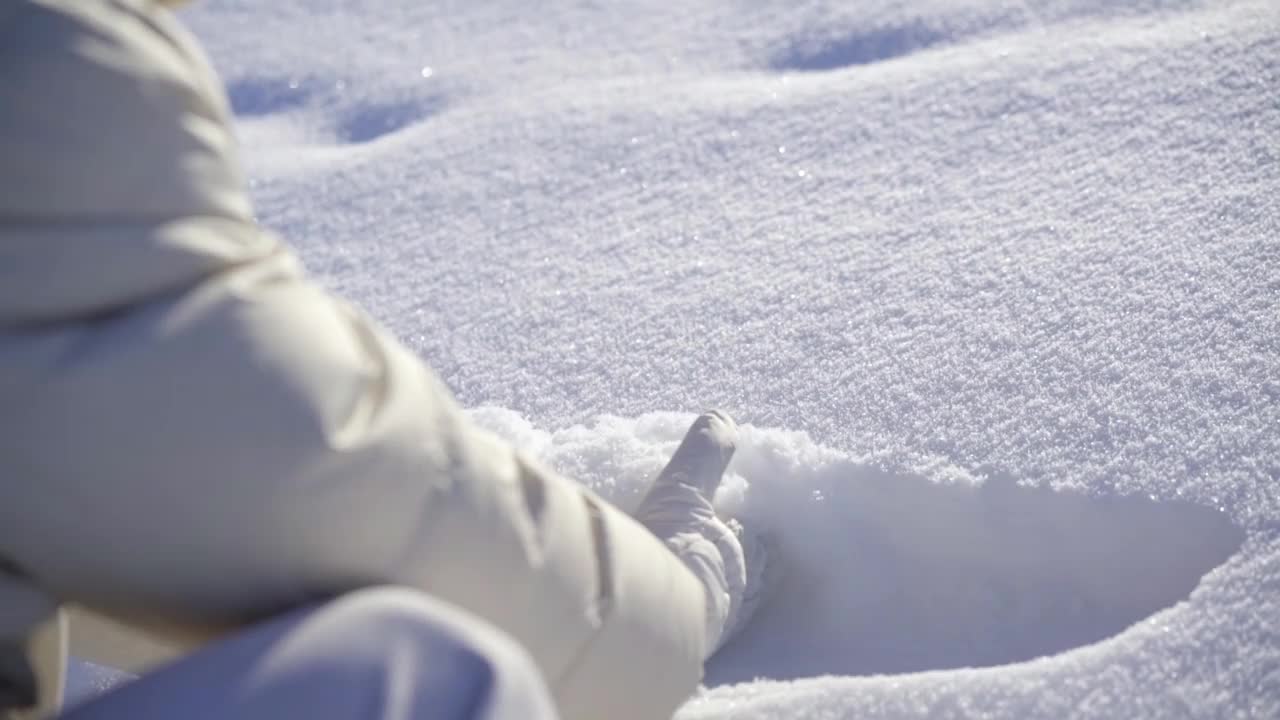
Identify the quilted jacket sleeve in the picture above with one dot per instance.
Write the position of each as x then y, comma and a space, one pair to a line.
196, 436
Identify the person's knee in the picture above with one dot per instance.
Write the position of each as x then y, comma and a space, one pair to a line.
372, 654
443, 653
395, 612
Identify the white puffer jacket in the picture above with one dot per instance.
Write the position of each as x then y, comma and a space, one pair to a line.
194, 436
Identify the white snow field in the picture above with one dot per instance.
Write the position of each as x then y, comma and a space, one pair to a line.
994, 287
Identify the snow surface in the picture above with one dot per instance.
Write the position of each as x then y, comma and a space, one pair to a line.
993, 285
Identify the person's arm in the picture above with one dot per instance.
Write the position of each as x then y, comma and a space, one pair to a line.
197, 436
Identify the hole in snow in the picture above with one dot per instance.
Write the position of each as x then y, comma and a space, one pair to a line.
894, 574
884, 573
812, 54
372, 121
258, 96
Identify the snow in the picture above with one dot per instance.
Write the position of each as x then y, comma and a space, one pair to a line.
993, 287
86, 679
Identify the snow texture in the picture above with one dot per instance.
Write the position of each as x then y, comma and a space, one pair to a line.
86, 679
992, 284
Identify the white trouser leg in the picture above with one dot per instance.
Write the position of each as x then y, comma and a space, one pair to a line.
377, 654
